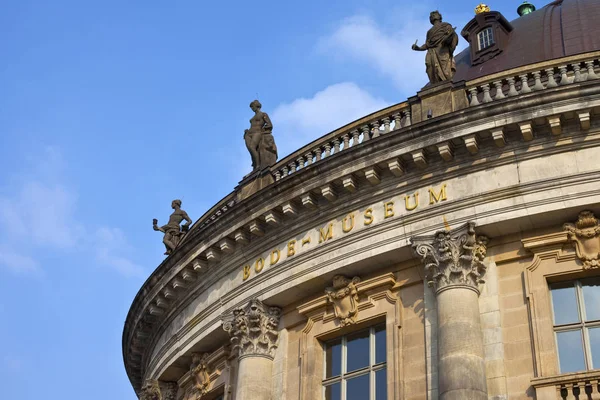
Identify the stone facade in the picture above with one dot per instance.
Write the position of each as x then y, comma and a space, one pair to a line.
438, 241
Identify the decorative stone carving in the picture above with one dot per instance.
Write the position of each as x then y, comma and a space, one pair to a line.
199, 374
259, 139
253, 329
170, 391
344, 297
173, 232
585, 234
453, 258
150, 391
440, 45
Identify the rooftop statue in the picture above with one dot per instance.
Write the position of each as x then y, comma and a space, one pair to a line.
259, 139
440, 45
174, 233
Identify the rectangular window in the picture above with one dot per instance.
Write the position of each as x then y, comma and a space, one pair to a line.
486, 38
355, 366
577, 324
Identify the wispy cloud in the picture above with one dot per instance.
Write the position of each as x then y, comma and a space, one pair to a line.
305, 119
38, 212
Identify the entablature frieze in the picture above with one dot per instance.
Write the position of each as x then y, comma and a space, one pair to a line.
190, 262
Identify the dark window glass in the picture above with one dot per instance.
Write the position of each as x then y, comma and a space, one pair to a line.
594, 335
381, 385
358, 388
380, 345
486, 38
570, 351
591, 298
333, 392
333, 358
357, 351
564, 303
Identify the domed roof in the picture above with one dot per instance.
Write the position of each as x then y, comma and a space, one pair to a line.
561, 28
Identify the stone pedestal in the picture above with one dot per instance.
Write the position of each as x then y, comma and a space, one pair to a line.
439, 99
253, 182
254, 334
454, 267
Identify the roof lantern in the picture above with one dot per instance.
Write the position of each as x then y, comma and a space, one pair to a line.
525, 8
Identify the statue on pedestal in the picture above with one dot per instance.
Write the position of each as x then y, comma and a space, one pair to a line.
174, 233
259, 139
440, 45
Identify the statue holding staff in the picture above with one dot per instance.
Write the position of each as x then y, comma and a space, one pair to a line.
440, 45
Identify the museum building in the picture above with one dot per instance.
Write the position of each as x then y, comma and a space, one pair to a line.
445, 247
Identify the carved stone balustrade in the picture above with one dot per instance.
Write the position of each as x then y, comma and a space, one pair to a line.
538, 77
571, 386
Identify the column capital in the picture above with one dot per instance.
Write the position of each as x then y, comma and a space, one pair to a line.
150, 390
253, 329
452, 258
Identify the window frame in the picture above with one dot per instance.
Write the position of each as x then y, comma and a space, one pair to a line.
491, 38
369, 370
582, 325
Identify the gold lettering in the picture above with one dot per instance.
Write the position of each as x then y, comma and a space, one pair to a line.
326, 235
246, 272
260, 264
389, 209
407, 202
306, 241
291, 248
441, 196
345, 228
369, 216
275, 254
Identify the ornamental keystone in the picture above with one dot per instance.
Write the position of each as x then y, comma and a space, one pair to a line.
253, 329
453, 258
344, 296
585, 234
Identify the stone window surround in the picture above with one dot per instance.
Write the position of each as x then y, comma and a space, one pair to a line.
554, 260
378, 302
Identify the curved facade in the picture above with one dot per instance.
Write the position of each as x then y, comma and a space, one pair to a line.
444, 247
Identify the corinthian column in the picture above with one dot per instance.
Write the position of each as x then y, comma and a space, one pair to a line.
254, 333
454, 268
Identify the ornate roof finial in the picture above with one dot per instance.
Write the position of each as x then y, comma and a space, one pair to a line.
525, 8
481, 8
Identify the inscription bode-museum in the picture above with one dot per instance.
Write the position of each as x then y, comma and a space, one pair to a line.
395, 207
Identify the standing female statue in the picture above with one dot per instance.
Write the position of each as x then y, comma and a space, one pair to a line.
259, 139
440, 45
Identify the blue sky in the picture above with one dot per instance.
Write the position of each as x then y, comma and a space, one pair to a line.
109, 110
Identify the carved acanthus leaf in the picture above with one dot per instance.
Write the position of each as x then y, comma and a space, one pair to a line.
453, 257
253, 329
344, 297
585, 234
150, 391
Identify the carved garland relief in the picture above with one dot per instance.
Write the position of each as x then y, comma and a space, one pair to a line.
585, 234
344, 297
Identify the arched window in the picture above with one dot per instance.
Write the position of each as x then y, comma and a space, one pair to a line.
485, 38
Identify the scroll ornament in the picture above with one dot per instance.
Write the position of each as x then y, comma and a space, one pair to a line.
344, 297
150, 391
585, 234
453, 257
253, 329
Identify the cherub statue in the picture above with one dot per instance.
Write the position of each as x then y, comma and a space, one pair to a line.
173, 231
259, 139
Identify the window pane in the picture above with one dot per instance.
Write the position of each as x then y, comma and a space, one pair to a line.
381, 385
357, 351
570, 351
564, 303
358, 388
591, 298
333, 358
594, 335
380, 351
333, 392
